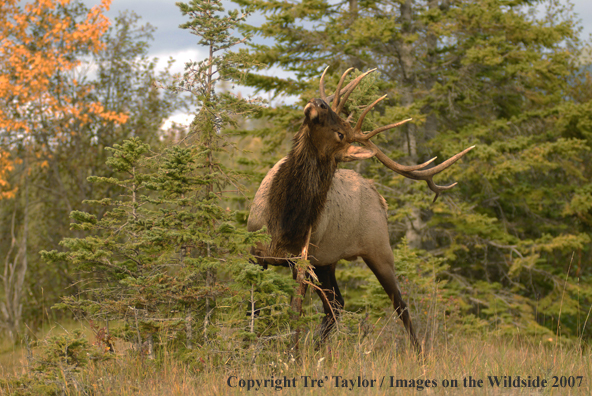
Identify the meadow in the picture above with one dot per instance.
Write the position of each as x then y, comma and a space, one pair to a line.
376, 362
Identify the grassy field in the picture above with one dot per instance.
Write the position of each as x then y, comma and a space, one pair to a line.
382, 363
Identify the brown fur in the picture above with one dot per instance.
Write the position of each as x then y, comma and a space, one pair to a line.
298, 194
346, 213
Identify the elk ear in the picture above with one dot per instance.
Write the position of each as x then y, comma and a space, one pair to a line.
311, 112
355, 153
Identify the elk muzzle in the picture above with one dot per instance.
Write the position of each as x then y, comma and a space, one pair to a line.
314, 108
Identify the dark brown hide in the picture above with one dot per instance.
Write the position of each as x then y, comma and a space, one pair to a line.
299, 189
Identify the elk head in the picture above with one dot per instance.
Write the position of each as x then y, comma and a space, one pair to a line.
331, 135
334, 136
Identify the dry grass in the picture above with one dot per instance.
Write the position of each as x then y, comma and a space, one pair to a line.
459, 360
347, 358
13, 357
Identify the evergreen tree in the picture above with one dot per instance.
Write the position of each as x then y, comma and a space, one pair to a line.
154, 249
515, 231
172, 265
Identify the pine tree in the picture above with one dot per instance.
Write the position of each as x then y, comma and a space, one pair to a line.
155, 248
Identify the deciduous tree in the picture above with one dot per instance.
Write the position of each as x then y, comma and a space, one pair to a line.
40, 42
98, 88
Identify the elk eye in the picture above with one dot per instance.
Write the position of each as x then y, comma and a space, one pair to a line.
323, 106
340, 135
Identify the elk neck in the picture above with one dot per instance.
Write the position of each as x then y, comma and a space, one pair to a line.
298, 194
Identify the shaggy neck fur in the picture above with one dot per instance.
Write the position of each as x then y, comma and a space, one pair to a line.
298, 194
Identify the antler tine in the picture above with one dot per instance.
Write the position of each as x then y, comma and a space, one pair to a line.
358, 126
438, 189
322, 86
425, 175
365, 140
375, 132
439, 168
337, 98
350, 88
395, 166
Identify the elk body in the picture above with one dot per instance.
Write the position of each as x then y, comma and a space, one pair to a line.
309, 205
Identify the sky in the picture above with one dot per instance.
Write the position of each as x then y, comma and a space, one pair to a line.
181, 45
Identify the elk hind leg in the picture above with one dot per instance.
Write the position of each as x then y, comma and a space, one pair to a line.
384, 269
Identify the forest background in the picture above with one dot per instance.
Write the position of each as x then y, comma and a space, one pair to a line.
157, 255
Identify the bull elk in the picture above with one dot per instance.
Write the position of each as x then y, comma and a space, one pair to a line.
311, 207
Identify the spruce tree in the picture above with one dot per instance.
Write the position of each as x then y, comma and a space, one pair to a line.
515, 231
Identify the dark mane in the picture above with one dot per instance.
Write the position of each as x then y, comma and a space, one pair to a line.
298, 194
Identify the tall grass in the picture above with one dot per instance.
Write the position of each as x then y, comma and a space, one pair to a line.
366, 356
379, 355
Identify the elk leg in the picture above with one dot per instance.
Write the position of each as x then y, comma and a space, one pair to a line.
385, 273
331, 298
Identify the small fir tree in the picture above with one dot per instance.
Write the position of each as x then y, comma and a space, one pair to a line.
172, 264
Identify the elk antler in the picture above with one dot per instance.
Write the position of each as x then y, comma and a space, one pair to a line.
338, 101
415, 172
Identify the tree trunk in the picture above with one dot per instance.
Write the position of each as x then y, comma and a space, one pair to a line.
15, 269
210, 280
189, 329
252, 321
414, 224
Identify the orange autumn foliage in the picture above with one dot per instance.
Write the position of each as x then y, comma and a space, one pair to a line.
6, 166
40, 45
